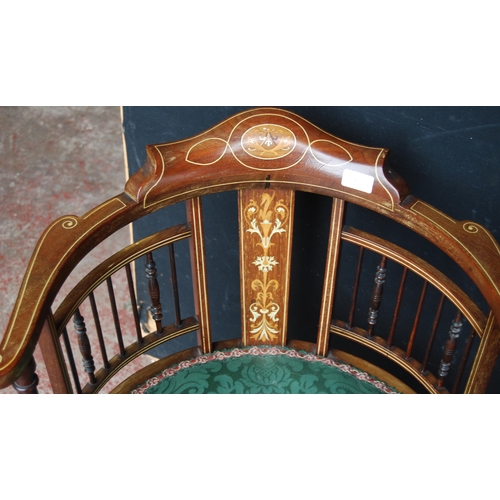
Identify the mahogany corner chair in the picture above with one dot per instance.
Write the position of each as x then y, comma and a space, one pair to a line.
370, 334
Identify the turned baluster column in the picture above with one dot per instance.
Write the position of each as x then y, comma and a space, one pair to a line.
154, 292
378, 291
84, 345
449, 349
27, 383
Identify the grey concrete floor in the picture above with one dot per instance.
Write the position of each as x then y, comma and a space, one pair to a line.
54, 161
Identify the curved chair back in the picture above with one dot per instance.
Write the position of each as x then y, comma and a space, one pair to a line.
271, 158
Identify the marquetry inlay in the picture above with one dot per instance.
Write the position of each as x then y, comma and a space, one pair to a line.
265, 238
268, 141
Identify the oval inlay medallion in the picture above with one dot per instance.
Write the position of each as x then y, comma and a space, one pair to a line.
268, 141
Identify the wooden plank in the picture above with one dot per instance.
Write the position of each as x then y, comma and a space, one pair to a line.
330, 276
198, 264
54, 358
485, 359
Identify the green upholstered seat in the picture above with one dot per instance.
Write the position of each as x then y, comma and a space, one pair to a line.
263, 370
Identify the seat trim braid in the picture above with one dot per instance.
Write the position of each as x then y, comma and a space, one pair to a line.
262, 351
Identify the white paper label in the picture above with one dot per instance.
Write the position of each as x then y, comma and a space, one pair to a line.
358, 181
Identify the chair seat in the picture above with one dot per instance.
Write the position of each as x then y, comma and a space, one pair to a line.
262, 370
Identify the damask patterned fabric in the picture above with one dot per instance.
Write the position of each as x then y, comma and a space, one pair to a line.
263, 370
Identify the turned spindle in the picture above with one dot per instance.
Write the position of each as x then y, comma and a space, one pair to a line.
377, 294
84, 345
175, 285
449, 349
27, 383
154, 292
355, 288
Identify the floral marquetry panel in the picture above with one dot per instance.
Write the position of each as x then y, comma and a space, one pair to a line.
266, 225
